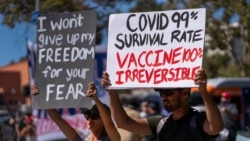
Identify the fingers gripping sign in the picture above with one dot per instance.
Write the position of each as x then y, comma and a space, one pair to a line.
201, 79
91, 92
34, 90
105, 80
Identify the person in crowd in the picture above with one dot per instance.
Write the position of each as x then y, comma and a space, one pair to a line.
130, 108
149, 108
125, 134
144, 108
8, 131
28, 132
154, 108
183, 120
229, 113
19, 124
247, 116
100, 123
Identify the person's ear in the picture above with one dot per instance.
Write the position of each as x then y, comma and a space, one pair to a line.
186, 92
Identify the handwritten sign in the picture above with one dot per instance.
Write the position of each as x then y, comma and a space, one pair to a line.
65, 59
155, 49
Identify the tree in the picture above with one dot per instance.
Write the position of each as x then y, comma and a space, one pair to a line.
20, 11
231, 38
16, 11
225, 35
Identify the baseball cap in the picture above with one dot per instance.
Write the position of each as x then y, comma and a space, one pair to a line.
167, 91
92, 112
226, 95
28, 119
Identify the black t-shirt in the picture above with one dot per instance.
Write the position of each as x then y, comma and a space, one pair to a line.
178, 130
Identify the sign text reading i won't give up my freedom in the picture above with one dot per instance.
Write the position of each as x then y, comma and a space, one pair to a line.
155, 49
65, 59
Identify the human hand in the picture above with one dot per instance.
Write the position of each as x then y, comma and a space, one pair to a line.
105, 80
11, 121
34, 90
17, 117
92, 91
201, 80
223, 109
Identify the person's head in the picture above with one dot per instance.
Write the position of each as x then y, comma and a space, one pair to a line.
226, 97
92, 115
174, 98
28, 119
154, 108
144, 106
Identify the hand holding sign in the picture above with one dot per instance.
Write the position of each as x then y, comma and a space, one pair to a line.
201, 80
92, 91
34, 90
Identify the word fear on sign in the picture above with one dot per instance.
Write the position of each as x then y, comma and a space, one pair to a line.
58, 91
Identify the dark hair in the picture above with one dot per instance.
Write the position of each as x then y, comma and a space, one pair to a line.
170, 89
93, 109
155, 106
164, 89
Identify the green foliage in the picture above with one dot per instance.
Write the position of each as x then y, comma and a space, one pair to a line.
15, 11
49, 6
220, 30
212, 63
146, 6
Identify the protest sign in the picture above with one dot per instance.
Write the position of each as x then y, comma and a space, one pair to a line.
65, 59
155, 49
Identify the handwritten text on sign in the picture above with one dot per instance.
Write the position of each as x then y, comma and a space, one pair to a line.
65, 59
155, 49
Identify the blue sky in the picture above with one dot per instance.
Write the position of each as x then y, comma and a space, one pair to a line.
13, 41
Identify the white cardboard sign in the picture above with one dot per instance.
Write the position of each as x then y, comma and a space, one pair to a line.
155, 49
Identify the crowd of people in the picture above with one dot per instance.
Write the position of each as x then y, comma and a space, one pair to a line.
122, 121
176, 126
19, 127
153, 125
98, 118
230, 116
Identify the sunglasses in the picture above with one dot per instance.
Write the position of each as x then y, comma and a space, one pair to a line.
88, 115
167, 92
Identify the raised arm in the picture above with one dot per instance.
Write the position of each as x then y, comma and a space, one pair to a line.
214, 123
20, 132
104, 113
67, 130
23, 132
135, 125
